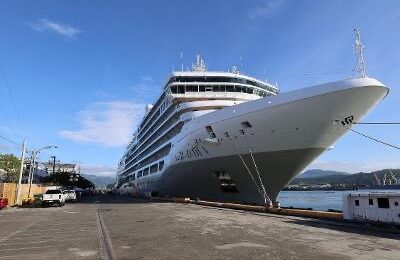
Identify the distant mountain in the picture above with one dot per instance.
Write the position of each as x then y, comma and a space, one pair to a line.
100, 181
320, 173
362, 178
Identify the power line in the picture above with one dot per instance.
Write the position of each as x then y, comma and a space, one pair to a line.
12, 96
377, 123
374, 139
9, 140
6, 119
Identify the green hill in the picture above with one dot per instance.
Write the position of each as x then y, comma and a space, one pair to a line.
361, 179
315, 173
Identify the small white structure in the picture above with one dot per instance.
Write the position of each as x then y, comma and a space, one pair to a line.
372, 206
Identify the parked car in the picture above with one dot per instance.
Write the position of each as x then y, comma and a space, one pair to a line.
70, 195
51, 197
3, 202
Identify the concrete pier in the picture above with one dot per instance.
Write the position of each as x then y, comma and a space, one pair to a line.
113, 227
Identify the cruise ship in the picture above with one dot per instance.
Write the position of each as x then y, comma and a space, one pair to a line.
225, 136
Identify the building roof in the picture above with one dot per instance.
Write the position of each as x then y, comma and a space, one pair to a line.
374, 194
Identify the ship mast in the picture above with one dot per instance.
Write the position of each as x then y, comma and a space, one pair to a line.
200, 65
359, 69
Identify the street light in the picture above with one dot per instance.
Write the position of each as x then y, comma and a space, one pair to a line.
33, 157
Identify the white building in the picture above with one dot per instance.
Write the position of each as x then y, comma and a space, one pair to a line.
61, 167
372, 206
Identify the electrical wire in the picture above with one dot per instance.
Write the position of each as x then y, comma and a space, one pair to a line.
376, 123
12, 97
373, 138
8, 140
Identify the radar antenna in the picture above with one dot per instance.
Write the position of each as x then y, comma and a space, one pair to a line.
359, 69
200, 65
234, 70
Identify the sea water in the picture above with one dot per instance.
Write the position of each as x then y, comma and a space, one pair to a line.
317, 200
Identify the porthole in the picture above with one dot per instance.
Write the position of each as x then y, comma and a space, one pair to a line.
396, 203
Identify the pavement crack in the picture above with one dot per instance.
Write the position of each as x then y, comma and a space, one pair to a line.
104, 237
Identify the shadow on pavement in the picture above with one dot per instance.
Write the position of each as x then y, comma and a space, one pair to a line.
114, 199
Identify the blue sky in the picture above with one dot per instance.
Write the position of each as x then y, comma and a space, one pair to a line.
80, 72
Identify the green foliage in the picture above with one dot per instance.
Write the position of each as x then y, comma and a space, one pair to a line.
11, 165
65, 179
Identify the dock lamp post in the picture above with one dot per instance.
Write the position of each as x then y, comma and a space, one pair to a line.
35, 153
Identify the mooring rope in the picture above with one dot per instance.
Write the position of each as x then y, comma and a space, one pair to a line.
251, 175
247, 168
259, 177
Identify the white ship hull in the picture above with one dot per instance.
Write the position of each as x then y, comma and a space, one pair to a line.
285, 133
288, 132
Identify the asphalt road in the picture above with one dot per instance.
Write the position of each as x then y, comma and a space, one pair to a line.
110, 227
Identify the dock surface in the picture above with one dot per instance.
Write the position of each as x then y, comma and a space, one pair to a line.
114, 227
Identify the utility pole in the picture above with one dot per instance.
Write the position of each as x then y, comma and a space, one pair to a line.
54, 164
21, 169
35, 153
32, 172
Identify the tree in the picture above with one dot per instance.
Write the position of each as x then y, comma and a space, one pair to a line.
64, 179
10, 164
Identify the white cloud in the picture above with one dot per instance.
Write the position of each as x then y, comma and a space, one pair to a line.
268, 9
44, 25
355, 166
98, 170
109, 124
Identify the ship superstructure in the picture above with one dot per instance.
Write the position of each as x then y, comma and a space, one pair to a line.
230, 137
186, 95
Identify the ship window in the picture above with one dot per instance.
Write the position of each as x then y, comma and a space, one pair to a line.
222, 88
139, 174
357, 203
174, 90
202, 88
246, 124
216, 88
209, 89
146, 171
181, 89
396, 203
160, 165
383, 203
371, 202
153, 168
229, 88
192, 89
